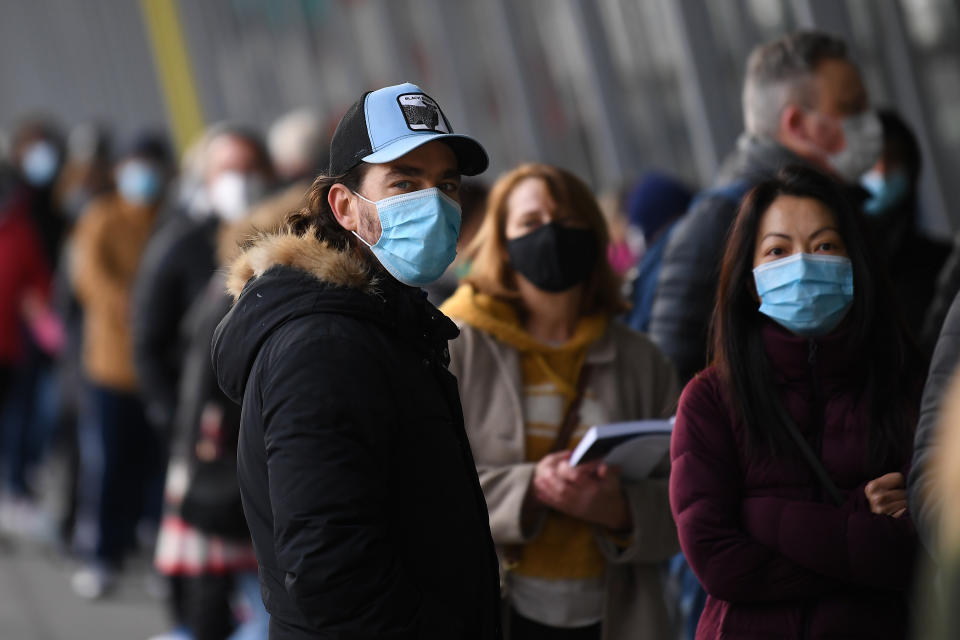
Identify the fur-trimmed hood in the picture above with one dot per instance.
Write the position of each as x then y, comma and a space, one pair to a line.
305, 253
283, 279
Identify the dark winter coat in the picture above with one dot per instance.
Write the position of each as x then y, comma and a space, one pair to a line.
357, 478
914, 262
776, 559
205, 417
946, 358
177, 265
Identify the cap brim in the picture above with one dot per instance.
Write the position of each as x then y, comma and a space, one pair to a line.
471, 156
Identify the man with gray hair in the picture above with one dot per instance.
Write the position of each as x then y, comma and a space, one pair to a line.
297, 143
804, 102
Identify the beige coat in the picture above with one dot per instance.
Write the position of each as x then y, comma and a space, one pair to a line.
633, 380
108, 243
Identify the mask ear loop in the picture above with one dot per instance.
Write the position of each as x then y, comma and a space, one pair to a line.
354, 232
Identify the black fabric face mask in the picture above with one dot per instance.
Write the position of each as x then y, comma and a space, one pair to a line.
555, 258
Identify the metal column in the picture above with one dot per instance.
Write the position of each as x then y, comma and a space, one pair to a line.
712, 121
901, 68
830, 16
602, 102
528, 127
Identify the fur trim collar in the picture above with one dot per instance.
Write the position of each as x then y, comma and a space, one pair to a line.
306, 253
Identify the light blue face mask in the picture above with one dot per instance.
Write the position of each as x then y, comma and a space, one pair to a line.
807, 294
886, 191
419, 235
39, 163
139, 183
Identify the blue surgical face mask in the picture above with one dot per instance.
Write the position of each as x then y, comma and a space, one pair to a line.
39, 163
419, 235
807, 294
886, 191
139, 182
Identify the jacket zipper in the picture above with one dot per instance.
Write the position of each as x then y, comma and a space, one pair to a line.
819, 417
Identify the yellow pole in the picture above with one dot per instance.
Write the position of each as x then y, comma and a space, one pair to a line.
172, 62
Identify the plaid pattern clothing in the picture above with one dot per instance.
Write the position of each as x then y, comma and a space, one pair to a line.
184, 550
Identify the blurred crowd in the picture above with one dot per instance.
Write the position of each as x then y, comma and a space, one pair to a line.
116, 439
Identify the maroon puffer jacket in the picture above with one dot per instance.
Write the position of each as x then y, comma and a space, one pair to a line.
778, 560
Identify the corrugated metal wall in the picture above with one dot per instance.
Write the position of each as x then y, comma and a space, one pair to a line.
606, 88
77, 61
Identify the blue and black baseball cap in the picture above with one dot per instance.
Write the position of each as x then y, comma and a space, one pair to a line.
386, 124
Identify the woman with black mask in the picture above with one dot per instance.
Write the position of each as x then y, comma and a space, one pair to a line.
539, 360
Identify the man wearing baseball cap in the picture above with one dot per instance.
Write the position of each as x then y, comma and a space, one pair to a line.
358, 483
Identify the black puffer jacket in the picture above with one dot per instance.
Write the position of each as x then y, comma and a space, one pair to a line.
686, 289
357, 478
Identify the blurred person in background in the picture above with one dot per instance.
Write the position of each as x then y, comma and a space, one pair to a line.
233, 172
120, 468
29, 417
27, 329
804, 102
38, 155
189, 198
356, 475
473, 201
789, 453
204, 538
539, 360
932, 485
939, 591
87, 172
913, 260
653, 206
24, 272
926, 496
297, 144
181, 257
298, 147
621, 253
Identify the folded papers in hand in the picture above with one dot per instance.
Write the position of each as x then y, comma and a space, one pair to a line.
637, 447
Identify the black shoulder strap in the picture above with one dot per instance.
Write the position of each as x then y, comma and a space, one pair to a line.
812, 460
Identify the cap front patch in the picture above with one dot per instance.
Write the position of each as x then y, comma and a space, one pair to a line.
422, 113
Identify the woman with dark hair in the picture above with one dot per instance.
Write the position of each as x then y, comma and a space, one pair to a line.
789, 452
539, 360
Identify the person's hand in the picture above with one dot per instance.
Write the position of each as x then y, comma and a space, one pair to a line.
887, 495
44, 325
589, 492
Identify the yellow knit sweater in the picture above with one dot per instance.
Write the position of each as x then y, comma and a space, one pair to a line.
565, 548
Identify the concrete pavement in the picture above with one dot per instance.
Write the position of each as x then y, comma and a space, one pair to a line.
36, 602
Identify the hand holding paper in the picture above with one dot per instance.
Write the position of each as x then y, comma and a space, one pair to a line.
589, 492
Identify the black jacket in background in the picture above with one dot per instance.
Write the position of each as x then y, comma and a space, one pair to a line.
176, 267
201, 408
687, 286
356, 474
